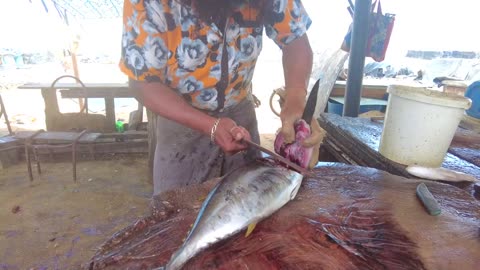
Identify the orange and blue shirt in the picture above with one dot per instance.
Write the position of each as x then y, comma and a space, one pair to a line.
164, 41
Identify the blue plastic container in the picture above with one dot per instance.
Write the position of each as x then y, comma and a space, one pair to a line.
335, 105
473, 93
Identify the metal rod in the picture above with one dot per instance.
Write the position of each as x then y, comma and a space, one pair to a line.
74, 154
356, 61
28, 142
4, 113
29, 161
37, 159
74, 160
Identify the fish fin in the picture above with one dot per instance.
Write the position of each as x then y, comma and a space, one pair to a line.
250, 229
202, 198
188, 233
294, 192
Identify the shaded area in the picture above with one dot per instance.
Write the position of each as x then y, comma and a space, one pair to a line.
344, 218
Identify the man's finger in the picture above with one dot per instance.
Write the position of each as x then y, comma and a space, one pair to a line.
313, 140
315, 126
313, 162
246, 134
316, 137
288, 132
239, 133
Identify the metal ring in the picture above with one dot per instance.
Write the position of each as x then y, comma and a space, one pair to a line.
214, 129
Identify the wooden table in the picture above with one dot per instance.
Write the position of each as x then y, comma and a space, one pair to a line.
370, 89
108, 91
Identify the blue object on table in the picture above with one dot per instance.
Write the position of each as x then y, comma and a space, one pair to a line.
335, 105
473, 93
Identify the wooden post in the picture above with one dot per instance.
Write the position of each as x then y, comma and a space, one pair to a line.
74, 49
140, 111
152, 140
51, 107
110, 113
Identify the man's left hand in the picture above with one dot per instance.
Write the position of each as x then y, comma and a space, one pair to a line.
292, 110
314, 141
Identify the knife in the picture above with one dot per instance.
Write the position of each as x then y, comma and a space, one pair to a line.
311, 103
278, 157
307, 116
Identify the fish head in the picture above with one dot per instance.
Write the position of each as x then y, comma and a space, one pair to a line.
296, 181
292, 179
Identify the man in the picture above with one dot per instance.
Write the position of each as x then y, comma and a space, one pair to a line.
191, 62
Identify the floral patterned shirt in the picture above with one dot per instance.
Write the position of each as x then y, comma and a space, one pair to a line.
164, 41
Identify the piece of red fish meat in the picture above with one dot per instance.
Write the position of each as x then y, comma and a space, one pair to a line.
294, 151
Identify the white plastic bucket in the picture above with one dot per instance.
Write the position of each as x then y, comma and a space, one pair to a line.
420, 124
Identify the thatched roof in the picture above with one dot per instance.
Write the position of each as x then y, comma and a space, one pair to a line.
84, 9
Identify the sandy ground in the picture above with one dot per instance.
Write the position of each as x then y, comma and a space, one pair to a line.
54, 223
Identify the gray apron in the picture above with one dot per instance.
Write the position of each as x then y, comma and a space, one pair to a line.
186, 157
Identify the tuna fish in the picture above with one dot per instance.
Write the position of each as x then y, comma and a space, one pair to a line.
240, 200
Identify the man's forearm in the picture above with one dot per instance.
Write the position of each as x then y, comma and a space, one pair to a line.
163, 101
297, 66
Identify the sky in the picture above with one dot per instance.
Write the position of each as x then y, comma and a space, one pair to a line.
419, 25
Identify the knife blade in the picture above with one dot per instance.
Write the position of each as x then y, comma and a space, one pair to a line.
311, 104
278, 157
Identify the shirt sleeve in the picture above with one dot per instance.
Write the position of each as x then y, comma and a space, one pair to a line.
144, 51
286, 20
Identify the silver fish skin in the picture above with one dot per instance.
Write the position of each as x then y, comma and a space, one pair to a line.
441, 174
246, 195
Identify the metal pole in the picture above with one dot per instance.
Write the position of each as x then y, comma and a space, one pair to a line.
356, 60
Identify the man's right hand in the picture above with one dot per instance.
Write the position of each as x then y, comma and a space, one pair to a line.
229, 136
164, 101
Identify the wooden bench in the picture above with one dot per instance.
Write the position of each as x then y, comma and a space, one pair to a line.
50, 141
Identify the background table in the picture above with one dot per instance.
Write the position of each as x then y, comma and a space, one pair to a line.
107, 91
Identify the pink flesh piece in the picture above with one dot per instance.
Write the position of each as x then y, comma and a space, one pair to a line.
295, 152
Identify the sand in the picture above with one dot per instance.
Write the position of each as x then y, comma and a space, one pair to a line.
54, 223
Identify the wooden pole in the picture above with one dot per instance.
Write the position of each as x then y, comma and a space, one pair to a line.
152, 141
74, 50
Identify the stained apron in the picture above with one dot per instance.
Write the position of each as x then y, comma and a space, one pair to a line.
184, 156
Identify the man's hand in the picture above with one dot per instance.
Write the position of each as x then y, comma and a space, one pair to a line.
292, 110
229, 136
314, 141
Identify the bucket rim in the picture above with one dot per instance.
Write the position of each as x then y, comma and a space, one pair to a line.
426, 95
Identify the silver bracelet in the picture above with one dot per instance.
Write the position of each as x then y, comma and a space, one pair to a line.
214, 128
